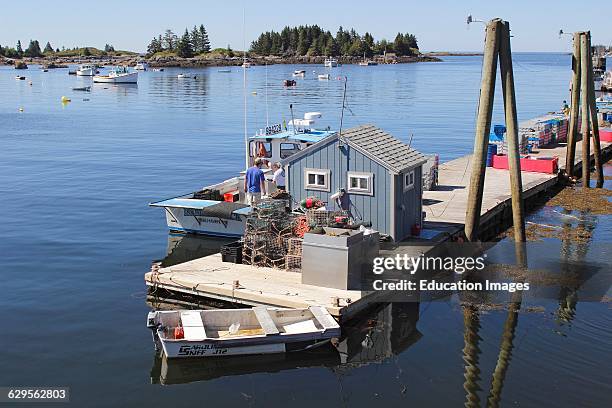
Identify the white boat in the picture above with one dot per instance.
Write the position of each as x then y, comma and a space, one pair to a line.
246, 65
207, 212
141, 66
299, 72
185, 76
86, 70
119, 75
158, 69
331, 62
366, 62
324, 77
231, 332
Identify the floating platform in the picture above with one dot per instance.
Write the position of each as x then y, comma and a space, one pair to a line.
210, 278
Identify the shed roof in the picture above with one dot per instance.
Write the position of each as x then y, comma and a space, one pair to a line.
380, 146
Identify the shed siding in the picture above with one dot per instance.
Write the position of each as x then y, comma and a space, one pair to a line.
375, 208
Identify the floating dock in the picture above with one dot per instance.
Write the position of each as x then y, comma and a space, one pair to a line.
210, 278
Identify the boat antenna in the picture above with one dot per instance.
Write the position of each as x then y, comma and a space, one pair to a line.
292, 118
244, 91
343, 106
410, 142
267, 116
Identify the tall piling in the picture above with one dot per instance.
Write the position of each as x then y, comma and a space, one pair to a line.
483, 127
512, 137
584, 91
574, 108
594, 122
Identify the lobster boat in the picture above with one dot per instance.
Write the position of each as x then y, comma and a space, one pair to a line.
221, 209
231, 332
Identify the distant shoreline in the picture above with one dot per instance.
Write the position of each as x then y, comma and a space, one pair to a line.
453, 54
204, 61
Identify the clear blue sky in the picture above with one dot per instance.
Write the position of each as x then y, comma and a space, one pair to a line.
438, 24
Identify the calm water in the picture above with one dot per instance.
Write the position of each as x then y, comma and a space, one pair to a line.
77, 236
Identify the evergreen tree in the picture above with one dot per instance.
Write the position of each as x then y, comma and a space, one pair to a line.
33, 49
170, 40
57, 50
109, 48
48, 48
205, 42
196, 40
19, 49
154, 46
184, 47
86, 52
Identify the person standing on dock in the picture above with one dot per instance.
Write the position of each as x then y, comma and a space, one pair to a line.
279, 176
254, 183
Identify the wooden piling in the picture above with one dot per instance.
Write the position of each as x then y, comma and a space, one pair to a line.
514, 159
574, 108
584, 89
483, 127
594, 122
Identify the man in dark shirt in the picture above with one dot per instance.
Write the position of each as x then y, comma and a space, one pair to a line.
254, 183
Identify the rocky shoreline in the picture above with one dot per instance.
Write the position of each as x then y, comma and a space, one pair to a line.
201, 61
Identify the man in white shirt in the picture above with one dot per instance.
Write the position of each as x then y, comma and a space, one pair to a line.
279, 176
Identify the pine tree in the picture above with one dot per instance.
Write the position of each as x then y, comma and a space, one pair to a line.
184, 48
86, 52
196, 40
48, 48
19, 49
170, 40
33, 49
205, 42
154, 46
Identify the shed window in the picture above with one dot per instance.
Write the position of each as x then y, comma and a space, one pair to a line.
316, 179
360, 183
409, 180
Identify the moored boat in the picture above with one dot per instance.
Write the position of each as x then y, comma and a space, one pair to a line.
86, 70
119, 75
606, 82
324, 77
141, 66
331, 62
299, 72
221, 209
227, 332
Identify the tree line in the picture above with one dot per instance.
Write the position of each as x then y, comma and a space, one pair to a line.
313, 41
191, 43
34, 51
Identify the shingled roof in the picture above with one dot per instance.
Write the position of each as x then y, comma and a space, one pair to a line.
382, 147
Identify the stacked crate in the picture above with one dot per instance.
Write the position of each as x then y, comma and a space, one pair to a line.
498, 137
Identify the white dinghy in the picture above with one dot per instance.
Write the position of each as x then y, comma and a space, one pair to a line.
230, 332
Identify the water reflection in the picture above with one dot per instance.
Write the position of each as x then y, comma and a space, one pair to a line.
385, 331
183, 248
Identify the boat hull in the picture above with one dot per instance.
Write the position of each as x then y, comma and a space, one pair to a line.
86, 72
131, 78
186, 220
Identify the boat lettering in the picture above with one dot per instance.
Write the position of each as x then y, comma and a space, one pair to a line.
200, 350
273, 129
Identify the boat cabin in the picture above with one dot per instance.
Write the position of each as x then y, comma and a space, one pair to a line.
366, 172
276, 143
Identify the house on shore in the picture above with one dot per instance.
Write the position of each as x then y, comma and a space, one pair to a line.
380, 176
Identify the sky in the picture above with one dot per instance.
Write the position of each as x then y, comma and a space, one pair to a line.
439, 25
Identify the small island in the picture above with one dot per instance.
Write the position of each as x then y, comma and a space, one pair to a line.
305, 44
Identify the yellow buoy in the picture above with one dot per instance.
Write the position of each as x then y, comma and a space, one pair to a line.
254, 92
65, 99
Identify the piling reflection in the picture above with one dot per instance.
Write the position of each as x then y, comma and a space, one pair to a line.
385, 331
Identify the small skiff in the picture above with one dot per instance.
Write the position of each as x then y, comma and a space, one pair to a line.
299, 72
324, 77
230, 332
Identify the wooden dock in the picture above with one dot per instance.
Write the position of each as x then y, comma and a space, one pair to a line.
210, 278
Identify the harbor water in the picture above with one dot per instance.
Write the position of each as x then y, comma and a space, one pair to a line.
77, 237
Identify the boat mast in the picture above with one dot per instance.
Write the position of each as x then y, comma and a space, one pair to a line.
244, 91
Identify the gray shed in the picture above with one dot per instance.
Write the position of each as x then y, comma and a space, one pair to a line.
380, 174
